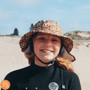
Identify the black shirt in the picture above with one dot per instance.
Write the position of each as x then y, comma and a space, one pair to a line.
43, 78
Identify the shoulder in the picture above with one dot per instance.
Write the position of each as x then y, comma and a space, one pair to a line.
72, 80
16, 76
68, 74
69, 79
17, 73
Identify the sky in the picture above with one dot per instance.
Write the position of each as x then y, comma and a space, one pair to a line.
72, 15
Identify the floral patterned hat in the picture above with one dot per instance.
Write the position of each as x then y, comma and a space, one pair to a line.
49, 27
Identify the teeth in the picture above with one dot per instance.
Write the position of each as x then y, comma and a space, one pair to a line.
46, 51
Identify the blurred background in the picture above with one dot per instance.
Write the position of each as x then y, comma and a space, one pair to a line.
70, 14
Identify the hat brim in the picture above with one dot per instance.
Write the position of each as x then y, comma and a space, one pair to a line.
67, 55
67, 42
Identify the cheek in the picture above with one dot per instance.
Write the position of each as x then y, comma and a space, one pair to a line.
57, 48
36, 47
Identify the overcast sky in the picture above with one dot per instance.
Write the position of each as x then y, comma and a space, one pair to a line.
70, 14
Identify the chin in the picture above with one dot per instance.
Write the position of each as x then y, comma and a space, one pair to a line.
47, 59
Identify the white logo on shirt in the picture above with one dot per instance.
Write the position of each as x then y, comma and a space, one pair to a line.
53, 86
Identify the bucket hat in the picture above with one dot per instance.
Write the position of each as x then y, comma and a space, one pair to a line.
49, 27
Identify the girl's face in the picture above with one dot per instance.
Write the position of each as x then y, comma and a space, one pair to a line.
46, 47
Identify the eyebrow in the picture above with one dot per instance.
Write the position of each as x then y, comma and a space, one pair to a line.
47, 34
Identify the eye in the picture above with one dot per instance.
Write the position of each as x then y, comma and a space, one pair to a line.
54, 40
41, 38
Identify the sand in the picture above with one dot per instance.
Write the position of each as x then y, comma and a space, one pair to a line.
11, 58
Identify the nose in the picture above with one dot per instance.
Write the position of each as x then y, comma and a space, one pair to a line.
48, 43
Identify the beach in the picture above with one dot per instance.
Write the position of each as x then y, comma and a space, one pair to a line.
11, 58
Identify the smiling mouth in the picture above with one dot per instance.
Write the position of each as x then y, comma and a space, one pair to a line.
47, 50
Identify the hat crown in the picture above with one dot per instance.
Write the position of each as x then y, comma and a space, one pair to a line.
48, 26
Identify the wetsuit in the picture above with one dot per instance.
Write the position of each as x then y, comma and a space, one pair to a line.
43, 78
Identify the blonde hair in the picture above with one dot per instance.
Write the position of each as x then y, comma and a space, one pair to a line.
62, 62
